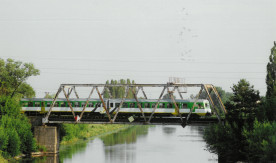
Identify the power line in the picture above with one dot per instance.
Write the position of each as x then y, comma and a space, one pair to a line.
145, 71
132, 60
152, 76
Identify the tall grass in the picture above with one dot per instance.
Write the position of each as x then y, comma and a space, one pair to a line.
73, 132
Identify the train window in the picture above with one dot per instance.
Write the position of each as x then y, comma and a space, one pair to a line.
117, 105
83, 104
177, 104
24, 104
184, 105
90, 104
111, 105
56, 104
30, 104
200, 106
146, 105
161, 105
132, 105
48, 104
42, 104
153, 105
62, 104
206, 105
77, 104
98, 104
37, 104
170, 105
125, 105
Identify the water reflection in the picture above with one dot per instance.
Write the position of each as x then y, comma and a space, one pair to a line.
144, 144
44, 159
127, 136
116, 149
67, 151
169, 130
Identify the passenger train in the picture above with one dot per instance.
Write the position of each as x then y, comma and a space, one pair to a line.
166, 106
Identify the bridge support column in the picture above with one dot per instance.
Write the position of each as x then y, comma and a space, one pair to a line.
47, 136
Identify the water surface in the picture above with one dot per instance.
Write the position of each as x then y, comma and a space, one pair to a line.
139, 144
144, 144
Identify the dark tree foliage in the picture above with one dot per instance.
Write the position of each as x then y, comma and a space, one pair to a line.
228, 140
249, 131
271, 74
245, 95
243, 105
261, 142
267, 110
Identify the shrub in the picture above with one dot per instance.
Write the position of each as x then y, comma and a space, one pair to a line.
13, 143
226, 141
15, 130
261, 142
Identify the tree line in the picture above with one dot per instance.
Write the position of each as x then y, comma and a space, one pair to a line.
249, 130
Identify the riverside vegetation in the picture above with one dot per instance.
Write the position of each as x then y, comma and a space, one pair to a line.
249, 131
15, 129
72, 133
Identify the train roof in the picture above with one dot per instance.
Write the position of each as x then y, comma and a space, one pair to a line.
113, 100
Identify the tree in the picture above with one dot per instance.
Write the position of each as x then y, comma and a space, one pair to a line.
245, 95
225, 96
261, 142
228, 140
17, 137
271, 74
244, 103
13, 76
119, 92
167, 96
50, 96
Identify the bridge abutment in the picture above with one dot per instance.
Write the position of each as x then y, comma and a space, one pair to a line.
47, 136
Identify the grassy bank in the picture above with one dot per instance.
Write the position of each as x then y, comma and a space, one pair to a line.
2, 160
71, 133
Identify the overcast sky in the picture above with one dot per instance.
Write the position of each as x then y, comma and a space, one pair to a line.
91, 41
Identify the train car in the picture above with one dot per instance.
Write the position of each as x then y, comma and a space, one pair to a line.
130, 106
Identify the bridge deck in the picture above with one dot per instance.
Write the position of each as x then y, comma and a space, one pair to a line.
163, 121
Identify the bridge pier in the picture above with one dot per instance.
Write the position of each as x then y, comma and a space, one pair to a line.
47, 136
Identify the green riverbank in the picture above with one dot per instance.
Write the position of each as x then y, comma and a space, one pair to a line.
2, 160
71, 133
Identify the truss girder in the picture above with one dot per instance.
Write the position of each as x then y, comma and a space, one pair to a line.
129, 88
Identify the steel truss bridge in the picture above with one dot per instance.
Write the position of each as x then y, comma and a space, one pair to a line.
115, 117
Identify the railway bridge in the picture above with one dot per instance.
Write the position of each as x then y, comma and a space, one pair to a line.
137, 111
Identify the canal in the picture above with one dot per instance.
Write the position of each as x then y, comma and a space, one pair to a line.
139, 144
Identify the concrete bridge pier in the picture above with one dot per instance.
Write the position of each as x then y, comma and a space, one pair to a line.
47, 136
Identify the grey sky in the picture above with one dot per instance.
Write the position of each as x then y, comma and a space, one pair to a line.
91, 41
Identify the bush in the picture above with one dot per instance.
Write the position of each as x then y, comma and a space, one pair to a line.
267, 110
15, 130
261, 142
70, 131
226, 141
13, 143
9, 106
2, 160
4, 141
